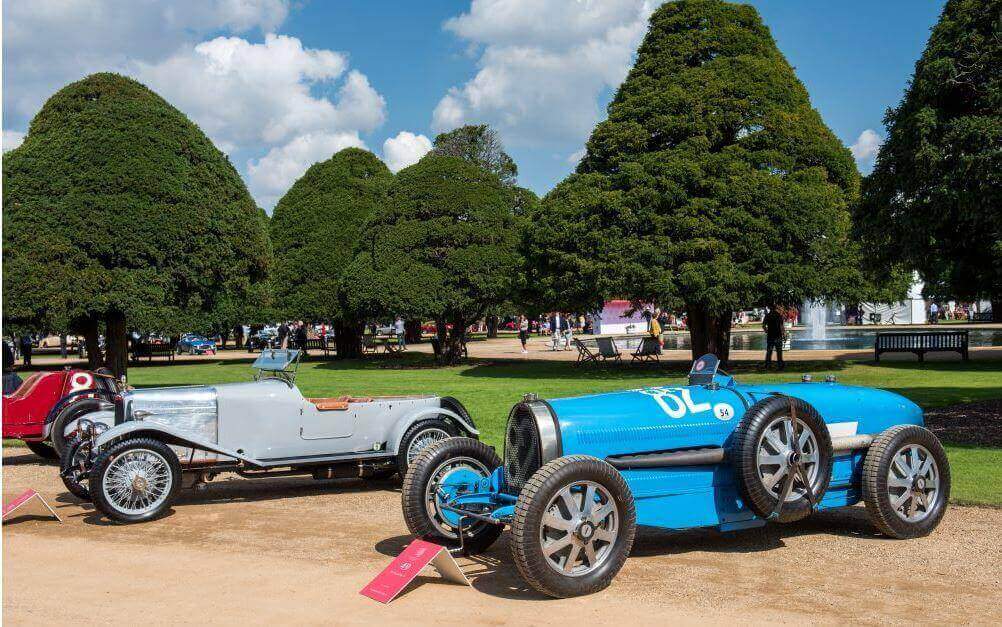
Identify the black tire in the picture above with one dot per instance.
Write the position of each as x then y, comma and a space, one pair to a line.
421, 520
432, 425
69, 413
42, 449
877, 493
69, 468
534, 501
105, 460
744, 450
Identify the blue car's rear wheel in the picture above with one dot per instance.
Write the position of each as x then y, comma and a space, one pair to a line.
573, 527
442, 471
906, 481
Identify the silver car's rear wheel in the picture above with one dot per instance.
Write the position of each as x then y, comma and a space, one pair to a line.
424, 439
135, 480
579, 528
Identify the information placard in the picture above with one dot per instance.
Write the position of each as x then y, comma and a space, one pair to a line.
408, 565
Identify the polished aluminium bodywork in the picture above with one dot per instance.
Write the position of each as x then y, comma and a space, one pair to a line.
268, 423
671, 444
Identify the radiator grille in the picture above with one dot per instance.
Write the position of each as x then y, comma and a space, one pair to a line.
522, 456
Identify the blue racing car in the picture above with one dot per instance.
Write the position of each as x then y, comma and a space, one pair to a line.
579, 474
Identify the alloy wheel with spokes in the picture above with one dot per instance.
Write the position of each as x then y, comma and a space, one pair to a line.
423, 439
785, 443
579, 528
906, 481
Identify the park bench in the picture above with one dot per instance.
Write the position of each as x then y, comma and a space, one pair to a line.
149, 350
597, 349
648, 350
920, 343
983, 316
318, 344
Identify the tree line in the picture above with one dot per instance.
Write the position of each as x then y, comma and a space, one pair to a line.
713, 185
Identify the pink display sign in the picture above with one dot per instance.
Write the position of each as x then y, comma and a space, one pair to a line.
408, 565
26, 496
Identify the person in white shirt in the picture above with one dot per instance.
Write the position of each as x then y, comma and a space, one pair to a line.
398, 328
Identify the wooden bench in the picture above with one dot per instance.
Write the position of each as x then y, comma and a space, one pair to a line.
150, 350
648, 350
920, 343
317, 344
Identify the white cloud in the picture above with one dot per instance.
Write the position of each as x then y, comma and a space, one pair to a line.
273, 174
867, 145
575, 157
404, 150
48, 43
12, 139
543, 65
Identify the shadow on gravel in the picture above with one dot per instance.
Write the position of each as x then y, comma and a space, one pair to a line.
28, 458
847, 522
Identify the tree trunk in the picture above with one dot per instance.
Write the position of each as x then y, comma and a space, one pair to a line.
92, 343
117, 344
492, 326
710, 332
348, 339
996, 309
452, 349
412, 332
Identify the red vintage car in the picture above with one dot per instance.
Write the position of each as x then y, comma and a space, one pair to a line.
41, 407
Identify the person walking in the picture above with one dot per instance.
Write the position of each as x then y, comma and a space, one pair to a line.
934, 313
772, 324
655, 329
398, 328
26, 350
558, 324
523, 332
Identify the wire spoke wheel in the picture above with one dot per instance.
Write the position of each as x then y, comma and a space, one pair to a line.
579, 528
785, 443
913, 483
438, 492
423, 440
138, 481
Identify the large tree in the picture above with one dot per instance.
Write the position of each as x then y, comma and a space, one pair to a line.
315, 230
479, 144
444, 247
934, 199
713, 185
119, 211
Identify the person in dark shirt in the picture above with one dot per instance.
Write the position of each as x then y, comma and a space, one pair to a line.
301, 337
26, 348
773, 326
283, 335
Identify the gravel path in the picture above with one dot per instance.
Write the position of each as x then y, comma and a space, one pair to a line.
295, 551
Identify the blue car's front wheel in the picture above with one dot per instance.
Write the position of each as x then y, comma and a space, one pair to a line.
573, 527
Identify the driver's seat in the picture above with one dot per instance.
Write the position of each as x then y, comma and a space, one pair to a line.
339, 403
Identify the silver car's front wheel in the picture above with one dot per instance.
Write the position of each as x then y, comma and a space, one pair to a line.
135, 480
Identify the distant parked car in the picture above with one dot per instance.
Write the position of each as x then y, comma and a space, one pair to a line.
195, 344
265, 338
129, 459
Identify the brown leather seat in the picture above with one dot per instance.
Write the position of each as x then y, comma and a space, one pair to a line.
340, 403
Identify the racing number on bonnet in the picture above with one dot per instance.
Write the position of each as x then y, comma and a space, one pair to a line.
677, 402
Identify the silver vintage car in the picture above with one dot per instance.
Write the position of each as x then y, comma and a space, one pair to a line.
130, 461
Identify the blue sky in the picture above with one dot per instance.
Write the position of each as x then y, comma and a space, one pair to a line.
389, 76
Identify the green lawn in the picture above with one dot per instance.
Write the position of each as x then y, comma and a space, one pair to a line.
489, 389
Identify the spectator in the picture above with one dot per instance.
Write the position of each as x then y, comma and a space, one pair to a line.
283, 335
558, 324
569, 332
654, 328
523, 332
26, 350
301, 337
238, 335
398, 328
934, 313
772, 324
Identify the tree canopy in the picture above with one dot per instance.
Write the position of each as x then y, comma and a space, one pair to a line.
934, 199
316, 228
712, 185
481, 145
118, 208
443, 247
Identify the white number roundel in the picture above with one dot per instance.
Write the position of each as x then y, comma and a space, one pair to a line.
81, 381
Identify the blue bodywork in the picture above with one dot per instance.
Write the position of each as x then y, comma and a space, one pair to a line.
686, 417
196, 344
